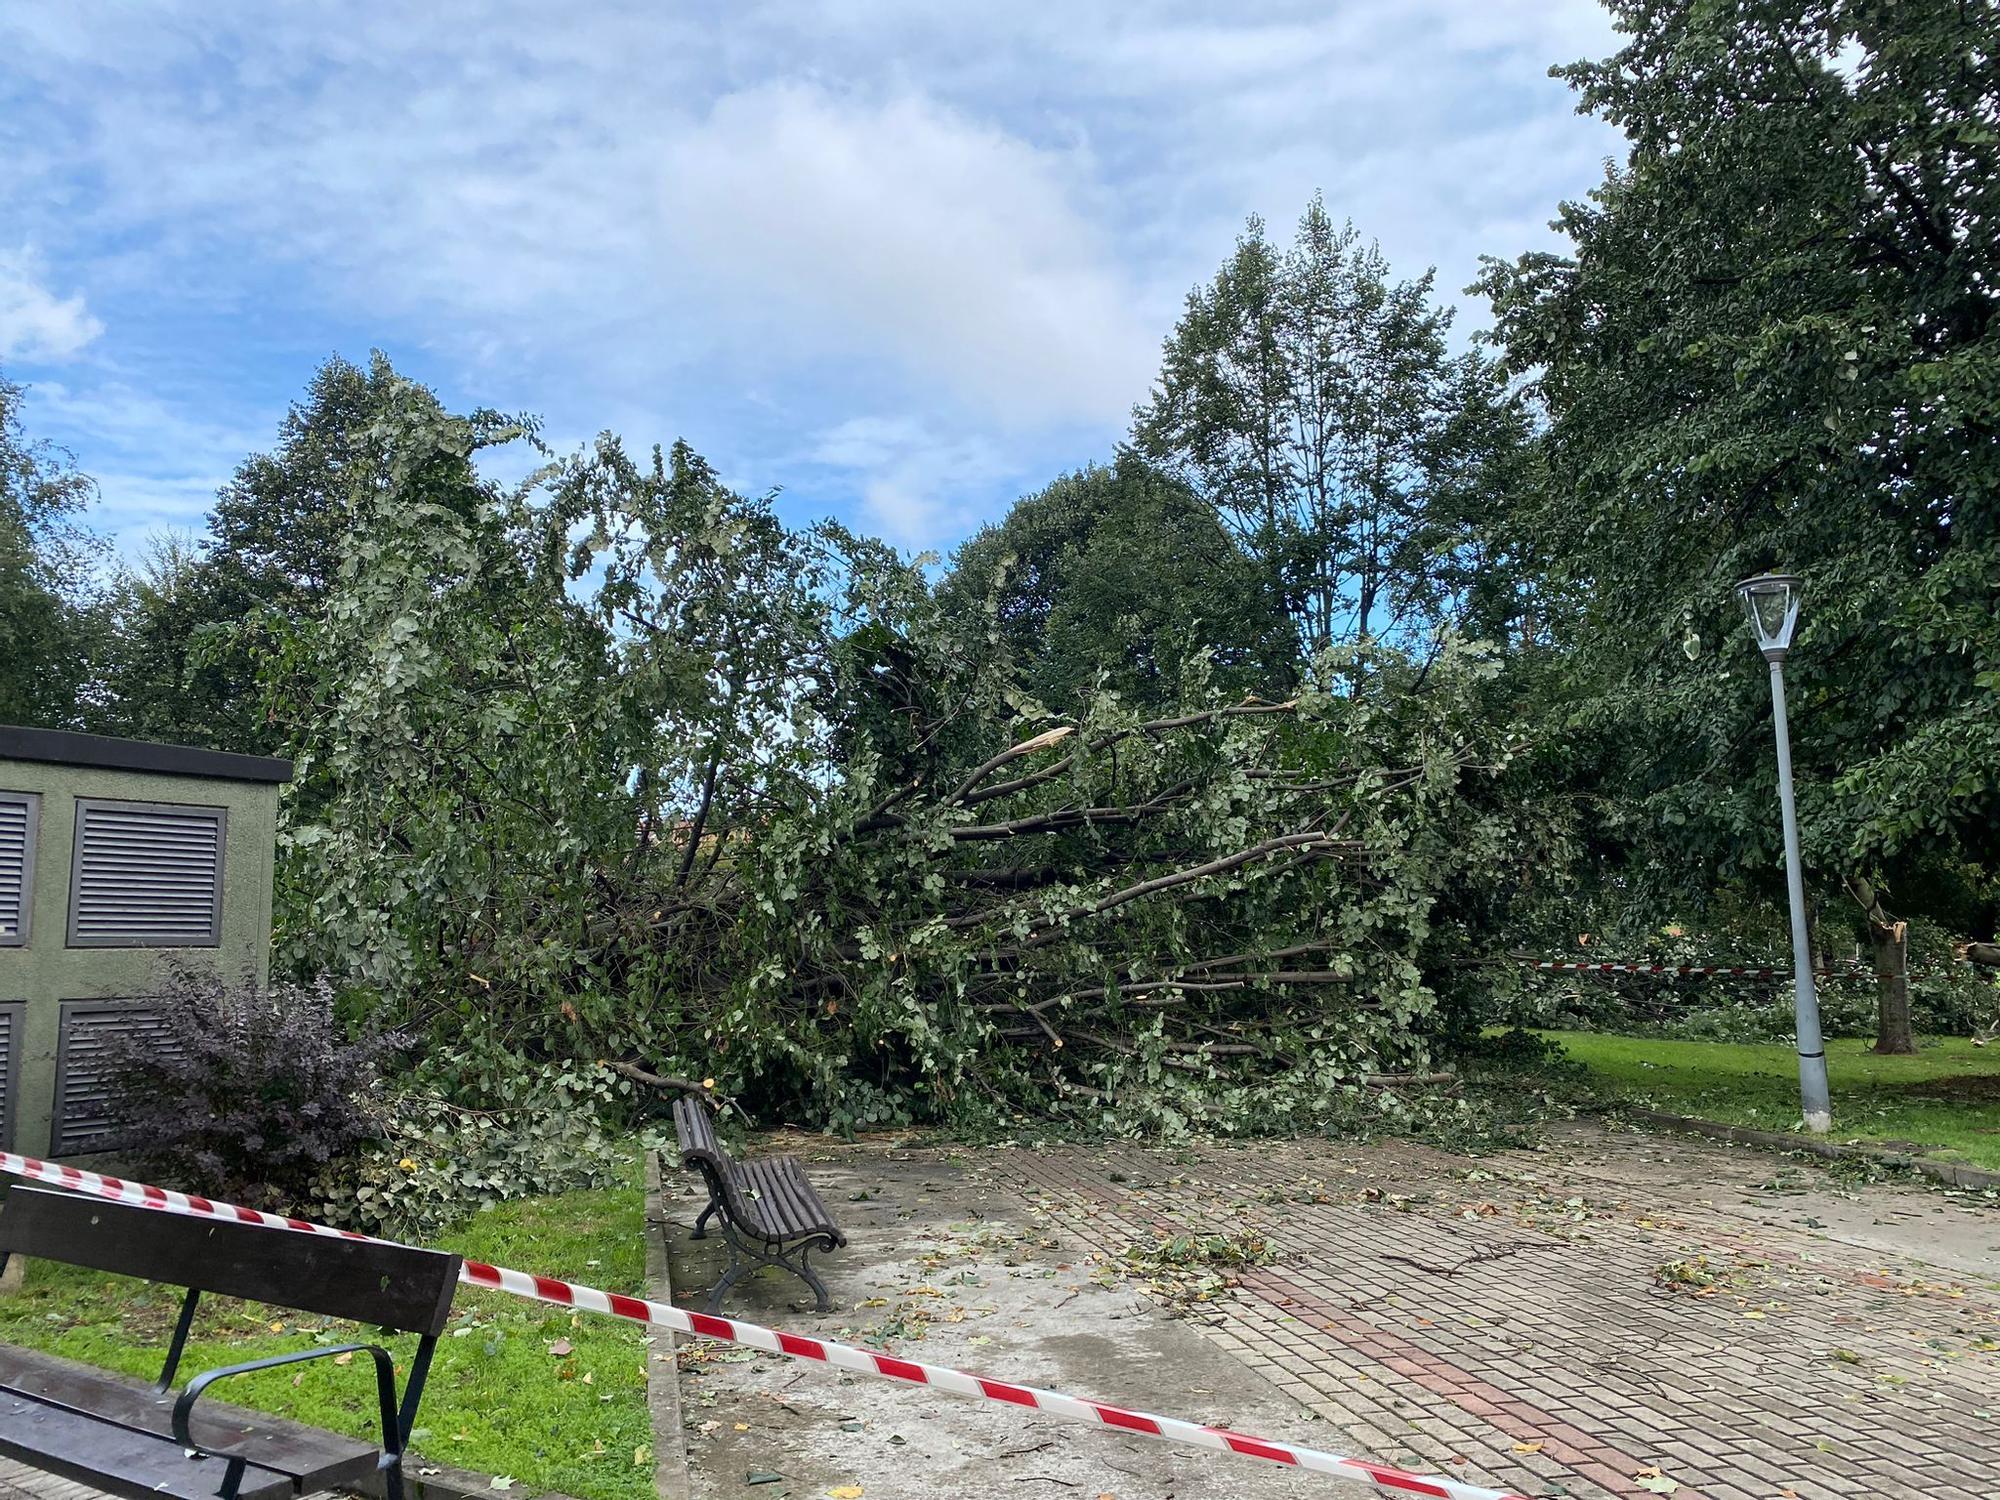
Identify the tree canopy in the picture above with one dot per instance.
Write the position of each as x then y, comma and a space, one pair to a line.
1773, 343
1314, 401
1119, 577
47, 579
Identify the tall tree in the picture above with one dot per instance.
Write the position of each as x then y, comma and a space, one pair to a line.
194, 623
1314, 402
1121, 577
48, 626
1773, 342
163, 617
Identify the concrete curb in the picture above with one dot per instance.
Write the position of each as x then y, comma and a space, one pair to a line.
671, 1479
1952, 1174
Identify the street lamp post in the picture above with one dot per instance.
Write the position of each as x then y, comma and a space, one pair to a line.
1772, 602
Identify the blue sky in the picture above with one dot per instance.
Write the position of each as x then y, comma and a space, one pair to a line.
904, 259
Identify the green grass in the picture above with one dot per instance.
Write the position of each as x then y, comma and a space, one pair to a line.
1943, 1102
498, 1400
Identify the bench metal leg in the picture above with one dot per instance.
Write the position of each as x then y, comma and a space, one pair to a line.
729, 1279
701, 1224
746, 1257
822, 1303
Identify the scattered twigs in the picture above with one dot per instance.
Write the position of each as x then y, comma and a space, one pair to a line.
1478, 1257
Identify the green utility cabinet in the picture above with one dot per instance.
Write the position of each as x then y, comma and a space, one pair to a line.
116, 857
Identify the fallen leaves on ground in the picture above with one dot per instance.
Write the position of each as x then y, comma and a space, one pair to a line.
1184, 1270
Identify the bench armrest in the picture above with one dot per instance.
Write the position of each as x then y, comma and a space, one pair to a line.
385, 1389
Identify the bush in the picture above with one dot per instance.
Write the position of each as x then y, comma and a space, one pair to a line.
459, 1137
244, 1093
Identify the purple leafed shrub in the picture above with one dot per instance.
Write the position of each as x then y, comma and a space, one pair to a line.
244, 1093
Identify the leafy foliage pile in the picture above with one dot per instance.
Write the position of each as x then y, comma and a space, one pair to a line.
612, 765
453, 1137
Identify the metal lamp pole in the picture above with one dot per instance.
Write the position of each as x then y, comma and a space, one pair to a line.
1772, 602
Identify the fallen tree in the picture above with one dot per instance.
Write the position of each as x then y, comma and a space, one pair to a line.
615, 766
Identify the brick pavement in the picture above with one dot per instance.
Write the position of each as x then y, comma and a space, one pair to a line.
19, 1482
1507, 1320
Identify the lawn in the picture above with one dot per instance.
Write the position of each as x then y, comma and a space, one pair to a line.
553, 1399
1943, 1102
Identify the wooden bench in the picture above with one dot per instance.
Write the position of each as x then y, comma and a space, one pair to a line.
121, 1435
768, 1210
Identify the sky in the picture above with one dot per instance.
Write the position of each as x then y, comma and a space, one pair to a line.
902, 261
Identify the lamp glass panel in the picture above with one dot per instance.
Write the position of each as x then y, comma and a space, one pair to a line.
1769, 607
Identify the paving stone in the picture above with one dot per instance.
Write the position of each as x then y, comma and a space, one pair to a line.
1522, 1300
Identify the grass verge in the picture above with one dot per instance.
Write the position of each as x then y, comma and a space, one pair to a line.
545, 1397
1943, 1102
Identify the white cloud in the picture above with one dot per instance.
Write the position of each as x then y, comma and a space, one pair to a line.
906, 229
745, 224
36, 324
156, 463
919, 488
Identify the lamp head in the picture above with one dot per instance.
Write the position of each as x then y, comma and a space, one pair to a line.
1771, 600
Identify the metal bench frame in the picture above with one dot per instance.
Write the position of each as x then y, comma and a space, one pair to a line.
754, 1239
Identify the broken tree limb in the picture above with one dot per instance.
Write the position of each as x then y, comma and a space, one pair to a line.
1314, 841
663, 1081
1405, 1080
1209, 983
987, 767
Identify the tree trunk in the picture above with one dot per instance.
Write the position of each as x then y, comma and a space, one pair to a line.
1889, 945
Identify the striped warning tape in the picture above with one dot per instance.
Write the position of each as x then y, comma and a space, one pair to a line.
825, 1351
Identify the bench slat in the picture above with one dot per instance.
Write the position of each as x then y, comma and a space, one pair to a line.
786, 1205
104, 1456
309, 1454
363, 1281
813, 1205
766, 1209
695, 1128
802, 1207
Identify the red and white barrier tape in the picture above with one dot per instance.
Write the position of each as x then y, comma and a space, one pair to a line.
824, 1351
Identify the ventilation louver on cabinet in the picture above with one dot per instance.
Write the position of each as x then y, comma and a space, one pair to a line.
86, 1058
17, 860
146, 875
10, 1056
